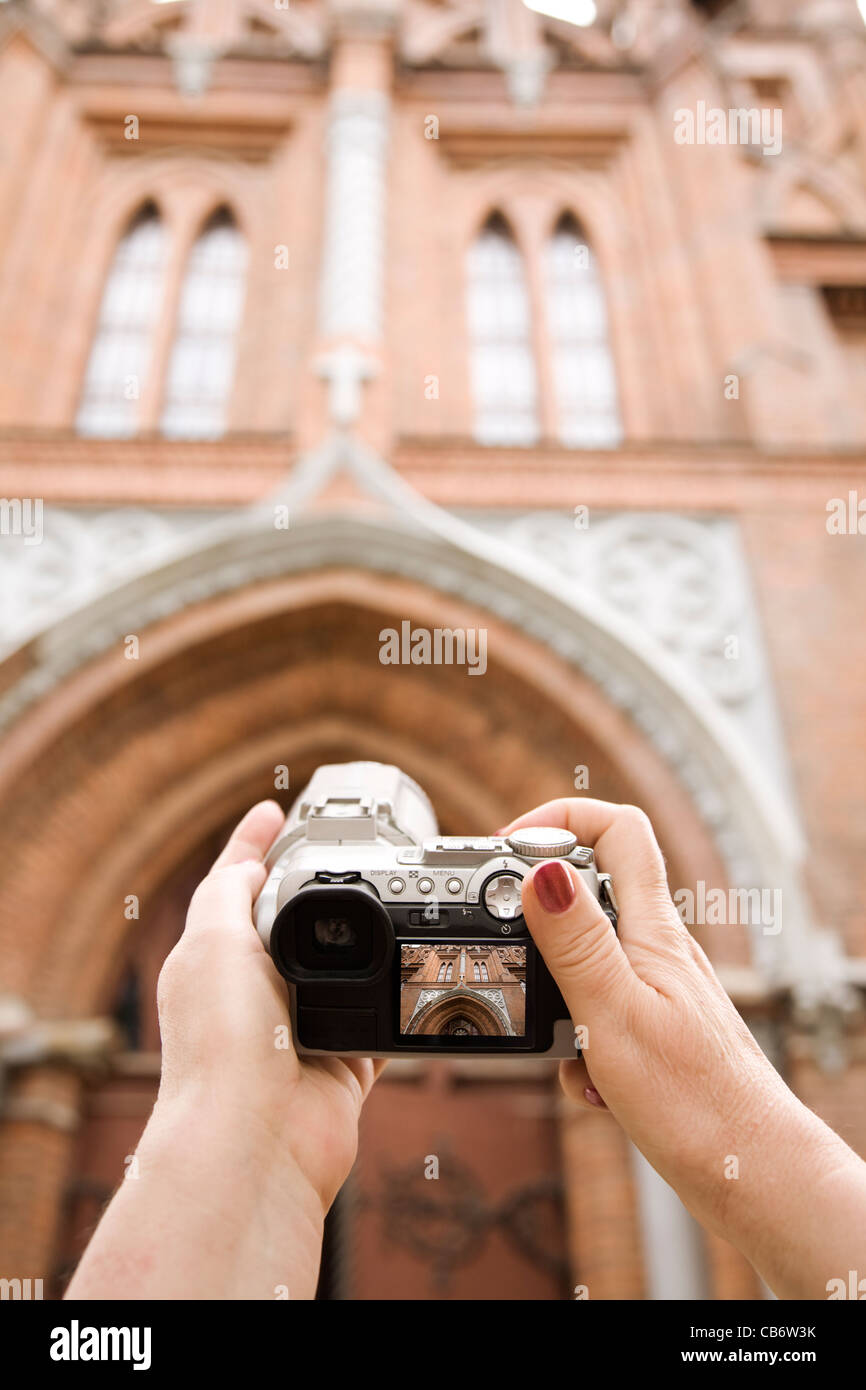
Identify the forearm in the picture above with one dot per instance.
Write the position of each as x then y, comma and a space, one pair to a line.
797, 1205
212, 1210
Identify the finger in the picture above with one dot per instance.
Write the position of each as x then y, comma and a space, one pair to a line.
625, 847
224, 900
577, 1085
366, 1070
578, 943
254, 834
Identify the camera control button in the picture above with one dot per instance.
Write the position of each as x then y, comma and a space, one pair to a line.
502, 897
454, 885
396, 885
425, 885
542, 842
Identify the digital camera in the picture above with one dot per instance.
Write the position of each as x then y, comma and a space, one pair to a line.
396, 941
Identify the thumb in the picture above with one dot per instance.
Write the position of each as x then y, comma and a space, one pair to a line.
576, 939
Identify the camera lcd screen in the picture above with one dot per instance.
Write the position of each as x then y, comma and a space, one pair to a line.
462, 991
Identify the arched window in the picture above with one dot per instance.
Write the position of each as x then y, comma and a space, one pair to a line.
484, 974
449, 971
583, 370
201, 368
120, 354
443, 967
500, 339
476, 971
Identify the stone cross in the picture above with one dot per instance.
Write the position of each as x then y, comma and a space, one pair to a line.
345, 369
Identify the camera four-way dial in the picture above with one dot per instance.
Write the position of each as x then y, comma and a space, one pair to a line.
501, 893
501, 896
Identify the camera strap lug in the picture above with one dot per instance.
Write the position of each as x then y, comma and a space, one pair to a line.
608, 897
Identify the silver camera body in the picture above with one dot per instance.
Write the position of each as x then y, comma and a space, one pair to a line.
397, 941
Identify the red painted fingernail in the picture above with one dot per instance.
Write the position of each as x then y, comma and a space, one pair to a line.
593, 1097
554, 887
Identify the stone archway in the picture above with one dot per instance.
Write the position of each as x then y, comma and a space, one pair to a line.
259, 651
114, 779
704, 754
458, 1007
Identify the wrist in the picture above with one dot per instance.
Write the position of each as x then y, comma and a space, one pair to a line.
213, 1208
769, 1187
250, 1147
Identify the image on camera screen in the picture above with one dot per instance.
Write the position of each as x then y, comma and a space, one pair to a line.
458, 990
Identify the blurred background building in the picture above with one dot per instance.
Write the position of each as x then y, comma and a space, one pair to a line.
324, 316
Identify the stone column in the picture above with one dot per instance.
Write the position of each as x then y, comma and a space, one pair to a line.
37, 1140
603, 1232
673, 1248
351, 309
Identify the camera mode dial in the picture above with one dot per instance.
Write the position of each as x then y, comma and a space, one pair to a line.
542, 842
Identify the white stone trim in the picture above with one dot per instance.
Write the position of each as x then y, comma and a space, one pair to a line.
353, 255
674, 1255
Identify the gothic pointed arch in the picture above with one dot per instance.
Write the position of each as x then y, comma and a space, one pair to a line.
459, 1013
121, 347
201, 366
502, 362
588, 413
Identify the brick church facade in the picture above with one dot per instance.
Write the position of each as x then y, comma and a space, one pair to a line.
323, 317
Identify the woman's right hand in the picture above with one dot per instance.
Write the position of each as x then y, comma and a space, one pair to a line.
665, 1051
